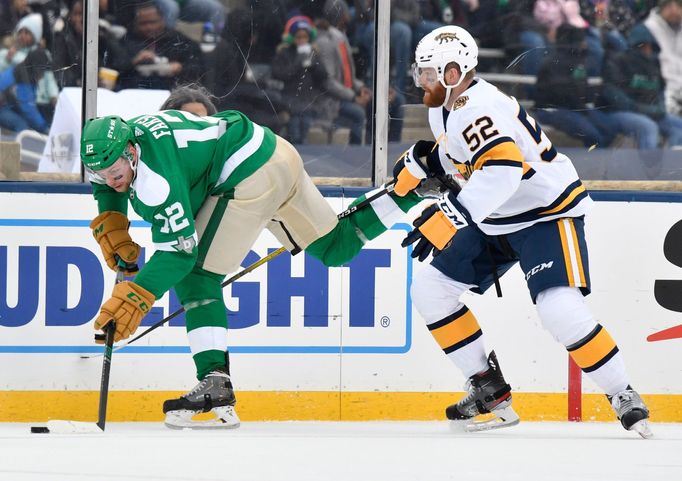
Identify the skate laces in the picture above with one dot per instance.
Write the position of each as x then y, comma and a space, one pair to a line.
624, 401
204, 381
470, 390
467, 404
197, 388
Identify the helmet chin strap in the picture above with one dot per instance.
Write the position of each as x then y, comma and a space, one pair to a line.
133, 162
448, 88
448, 91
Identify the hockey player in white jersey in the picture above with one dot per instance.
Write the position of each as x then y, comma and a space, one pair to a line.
522, 201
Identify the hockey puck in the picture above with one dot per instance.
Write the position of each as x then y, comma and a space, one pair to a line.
39, 429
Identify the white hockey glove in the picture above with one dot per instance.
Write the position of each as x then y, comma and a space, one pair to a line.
417, 163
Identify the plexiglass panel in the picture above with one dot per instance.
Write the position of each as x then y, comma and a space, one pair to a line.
601, 78
40, 56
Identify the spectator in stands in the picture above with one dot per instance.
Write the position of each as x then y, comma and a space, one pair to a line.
240, 83
633, 92
67, 48
191, 98
570, 14
28, 34
641, 8
118, 14
489, 22
665, 24
563, 98
410, 21
298, 66
613, 18
11, 11
18, 87
267, 23
160, 57
347, 97
537, 37
346, 94
193, 11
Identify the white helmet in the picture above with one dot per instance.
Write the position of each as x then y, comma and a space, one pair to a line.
445, 45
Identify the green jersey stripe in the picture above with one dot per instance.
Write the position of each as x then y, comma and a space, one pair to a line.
243, 153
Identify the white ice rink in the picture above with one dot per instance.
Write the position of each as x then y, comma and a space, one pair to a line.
348, 451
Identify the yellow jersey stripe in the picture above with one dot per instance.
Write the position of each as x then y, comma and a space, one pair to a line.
594, 351
578, 258
578, 190
567, 252
501, 151
456, 330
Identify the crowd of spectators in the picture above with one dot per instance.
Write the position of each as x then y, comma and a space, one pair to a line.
291, 64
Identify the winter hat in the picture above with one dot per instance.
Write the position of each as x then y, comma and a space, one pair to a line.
297, 23
34, 24
640, 35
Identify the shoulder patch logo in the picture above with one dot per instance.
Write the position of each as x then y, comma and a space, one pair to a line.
460, 102
138, 132
185, 244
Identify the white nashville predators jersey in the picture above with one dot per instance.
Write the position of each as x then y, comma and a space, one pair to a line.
515, 176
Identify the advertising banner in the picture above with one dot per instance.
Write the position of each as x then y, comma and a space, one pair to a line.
296, 325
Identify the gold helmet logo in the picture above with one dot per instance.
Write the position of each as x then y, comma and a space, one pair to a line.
446, 37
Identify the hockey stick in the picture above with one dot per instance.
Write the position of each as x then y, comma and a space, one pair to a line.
175, 314
110, 330
360, 205
80, 427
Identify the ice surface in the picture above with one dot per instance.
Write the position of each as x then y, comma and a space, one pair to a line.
349, 451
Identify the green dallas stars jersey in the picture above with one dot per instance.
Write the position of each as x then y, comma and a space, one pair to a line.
183, 159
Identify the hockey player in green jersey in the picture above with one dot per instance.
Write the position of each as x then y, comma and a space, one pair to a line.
208, 186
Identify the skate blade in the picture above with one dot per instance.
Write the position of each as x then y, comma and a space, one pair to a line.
643, 429
498, 419
226, 418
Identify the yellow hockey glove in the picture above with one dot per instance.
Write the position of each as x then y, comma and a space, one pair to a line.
128, 304
434, 228
110, 230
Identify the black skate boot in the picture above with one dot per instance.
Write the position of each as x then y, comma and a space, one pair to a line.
487, 393
213, 393
631, 411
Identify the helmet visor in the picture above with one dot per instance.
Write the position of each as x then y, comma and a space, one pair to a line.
116, 170
424, 76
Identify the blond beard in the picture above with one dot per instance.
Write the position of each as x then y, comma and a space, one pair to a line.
434, 96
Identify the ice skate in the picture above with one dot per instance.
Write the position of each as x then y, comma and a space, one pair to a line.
487, 404
631, 411
214, 393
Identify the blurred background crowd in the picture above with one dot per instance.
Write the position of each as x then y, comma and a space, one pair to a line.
602, 72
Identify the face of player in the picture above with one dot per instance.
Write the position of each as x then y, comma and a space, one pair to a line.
427, 79
120, 175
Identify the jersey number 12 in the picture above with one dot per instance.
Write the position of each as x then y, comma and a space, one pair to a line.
174, 220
